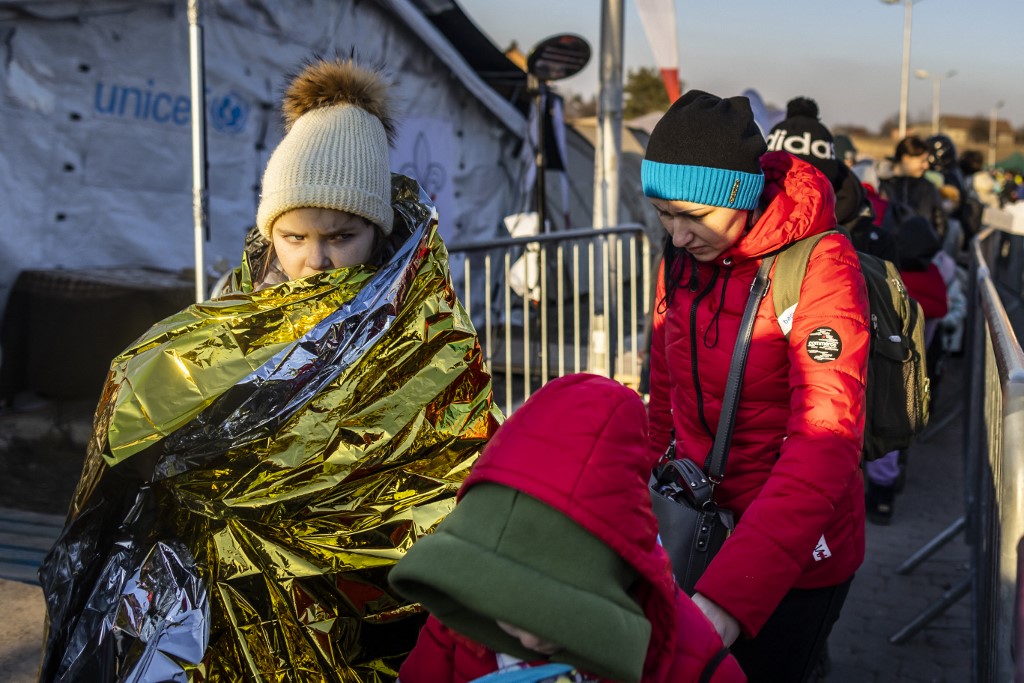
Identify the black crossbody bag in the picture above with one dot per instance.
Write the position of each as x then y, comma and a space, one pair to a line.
691, 526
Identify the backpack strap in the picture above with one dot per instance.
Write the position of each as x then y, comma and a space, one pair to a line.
714, 464
790, 268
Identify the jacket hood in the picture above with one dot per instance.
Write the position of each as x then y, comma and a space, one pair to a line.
580, 445
798, 201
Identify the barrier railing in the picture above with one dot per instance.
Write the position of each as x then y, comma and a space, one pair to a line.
579, 300
994, 462
556, 303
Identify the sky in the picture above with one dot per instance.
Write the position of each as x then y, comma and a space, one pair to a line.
845, 54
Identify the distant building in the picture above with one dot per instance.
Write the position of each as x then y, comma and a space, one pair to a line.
966, 131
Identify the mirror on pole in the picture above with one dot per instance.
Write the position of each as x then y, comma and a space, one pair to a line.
552, 59
558, 57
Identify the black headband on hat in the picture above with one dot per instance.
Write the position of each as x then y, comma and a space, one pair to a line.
707, 150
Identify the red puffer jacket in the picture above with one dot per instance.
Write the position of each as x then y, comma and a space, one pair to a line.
584, 451
793, 472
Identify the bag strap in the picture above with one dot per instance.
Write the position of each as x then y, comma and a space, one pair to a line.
715, 463
790, 269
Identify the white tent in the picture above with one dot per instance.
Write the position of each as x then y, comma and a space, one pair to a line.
95, 163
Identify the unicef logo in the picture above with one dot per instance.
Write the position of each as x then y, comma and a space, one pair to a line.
229, 113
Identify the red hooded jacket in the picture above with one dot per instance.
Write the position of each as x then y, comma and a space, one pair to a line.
793, 472
580, 446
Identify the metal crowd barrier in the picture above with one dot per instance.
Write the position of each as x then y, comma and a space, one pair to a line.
579, 301
994, 462
993, 466
558, 303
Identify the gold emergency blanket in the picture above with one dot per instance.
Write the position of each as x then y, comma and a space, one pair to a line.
258, 463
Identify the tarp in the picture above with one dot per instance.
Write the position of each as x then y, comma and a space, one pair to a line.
95, 109
1014, 162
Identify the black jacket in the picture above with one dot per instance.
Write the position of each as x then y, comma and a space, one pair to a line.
920, 195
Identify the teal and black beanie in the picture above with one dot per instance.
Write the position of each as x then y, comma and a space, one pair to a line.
706, 150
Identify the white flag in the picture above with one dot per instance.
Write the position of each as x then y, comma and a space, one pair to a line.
659, 20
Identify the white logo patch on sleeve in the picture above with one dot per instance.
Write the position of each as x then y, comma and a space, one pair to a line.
821, 551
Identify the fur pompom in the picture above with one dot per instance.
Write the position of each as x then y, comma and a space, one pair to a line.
324, 83
802, 106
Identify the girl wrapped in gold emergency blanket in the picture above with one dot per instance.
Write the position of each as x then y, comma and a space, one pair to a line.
259, 462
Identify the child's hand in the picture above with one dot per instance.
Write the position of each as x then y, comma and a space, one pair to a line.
726, 625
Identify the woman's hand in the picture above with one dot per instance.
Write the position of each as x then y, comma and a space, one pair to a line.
726, 625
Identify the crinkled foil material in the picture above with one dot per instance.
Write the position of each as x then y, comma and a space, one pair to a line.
258, 463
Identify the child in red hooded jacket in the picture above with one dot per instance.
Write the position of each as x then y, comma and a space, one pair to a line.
551, 555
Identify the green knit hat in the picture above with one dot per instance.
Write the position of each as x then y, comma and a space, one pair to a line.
503, 555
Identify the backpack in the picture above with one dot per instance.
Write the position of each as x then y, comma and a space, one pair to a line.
896, 213
897, 393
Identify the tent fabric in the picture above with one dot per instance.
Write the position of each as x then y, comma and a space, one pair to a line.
1014, 162
96, 161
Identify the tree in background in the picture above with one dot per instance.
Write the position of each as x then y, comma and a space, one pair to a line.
644, 92
577, 107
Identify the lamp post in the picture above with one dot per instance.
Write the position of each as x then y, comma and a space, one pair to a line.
905, 80
936, 92
992, 139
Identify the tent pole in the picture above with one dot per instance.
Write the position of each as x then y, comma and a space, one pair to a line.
609, 117
199, 192
607, 150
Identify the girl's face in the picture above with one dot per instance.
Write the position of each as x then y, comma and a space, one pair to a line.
704, 231
308, 241
528, 640
914, 167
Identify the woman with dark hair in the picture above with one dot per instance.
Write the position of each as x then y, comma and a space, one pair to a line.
909, 189
793, 477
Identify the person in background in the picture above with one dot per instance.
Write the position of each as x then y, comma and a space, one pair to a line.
854, 212
251, 478
1008, 188
978, 181
551, 555
960, 204
846, 152
917, 246
793, 476
910, 188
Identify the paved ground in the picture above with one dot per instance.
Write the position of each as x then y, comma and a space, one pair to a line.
880, 602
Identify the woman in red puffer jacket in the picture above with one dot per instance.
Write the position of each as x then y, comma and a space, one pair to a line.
793, 477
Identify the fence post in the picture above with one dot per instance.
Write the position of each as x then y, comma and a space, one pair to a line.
1009, 487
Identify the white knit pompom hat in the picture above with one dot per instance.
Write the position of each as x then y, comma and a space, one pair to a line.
334, 154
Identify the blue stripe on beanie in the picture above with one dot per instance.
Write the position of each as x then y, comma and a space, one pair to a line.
701, 184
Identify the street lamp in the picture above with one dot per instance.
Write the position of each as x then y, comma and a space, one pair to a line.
992, 140
905, 81
936, 92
